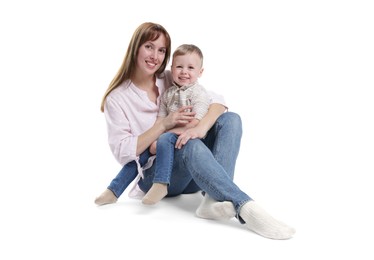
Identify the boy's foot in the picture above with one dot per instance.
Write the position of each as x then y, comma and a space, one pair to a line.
155, 193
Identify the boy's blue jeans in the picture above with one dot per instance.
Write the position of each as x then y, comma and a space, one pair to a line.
165, 157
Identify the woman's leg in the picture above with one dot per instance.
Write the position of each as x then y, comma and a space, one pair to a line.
164, 166
196, 160
223, 139
123, 179
182, 183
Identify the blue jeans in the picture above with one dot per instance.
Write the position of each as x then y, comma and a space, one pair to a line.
127, 174
207, 164
165, 157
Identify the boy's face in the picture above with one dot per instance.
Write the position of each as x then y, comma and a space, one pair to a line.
186, 69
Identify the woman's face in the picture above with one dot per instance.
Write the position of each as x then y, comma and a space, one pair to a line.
151, 55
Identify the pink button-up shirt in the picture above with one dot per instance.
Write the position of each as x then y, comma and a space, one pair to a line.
129, 113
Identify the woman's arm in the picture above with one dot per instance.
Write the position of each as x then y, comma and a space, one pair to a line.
125, 138
215, 110
150, 136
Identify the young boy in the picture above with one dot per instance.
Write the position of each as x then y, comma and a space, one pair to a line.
186, 68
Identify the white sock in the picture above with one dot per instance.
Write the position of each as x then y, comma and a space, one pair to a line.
212, 209
260, 222
107, 197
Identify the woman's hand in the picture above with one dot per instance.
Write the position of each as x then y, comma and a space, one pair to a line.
179, 118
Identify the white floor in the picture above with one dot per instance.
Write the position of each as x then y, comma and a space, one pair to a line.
64, 223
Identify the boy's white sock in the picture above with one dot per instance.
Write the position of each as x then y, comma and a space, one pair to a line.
259, 221
212, 209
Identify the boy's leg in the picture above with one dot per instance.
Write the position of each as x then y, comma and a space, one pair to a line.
164, 165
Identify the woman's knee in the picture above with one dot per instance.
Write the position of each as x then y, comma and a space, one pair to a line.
192, 148
229, 122
230, 118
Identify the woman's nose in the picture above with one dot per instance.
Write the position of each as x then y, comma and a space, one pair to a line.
154, 55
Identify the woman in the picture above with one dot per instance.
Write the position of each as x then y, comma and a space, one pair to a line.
130, 105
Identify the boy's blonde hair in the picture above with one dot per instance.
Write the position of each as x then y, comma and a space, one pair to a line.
187, 49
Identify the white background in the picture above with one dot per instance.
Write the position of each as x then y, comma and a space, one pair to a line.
300, 74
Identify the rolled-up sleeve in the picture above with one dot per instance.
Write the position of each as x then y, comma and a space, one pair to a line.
217, 99
121, 141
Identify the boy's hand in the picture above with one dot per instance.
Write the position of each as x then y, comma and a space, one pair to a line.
191, 133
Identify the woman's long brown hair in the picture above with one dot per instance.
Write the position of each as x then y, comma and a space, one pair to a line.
145, 32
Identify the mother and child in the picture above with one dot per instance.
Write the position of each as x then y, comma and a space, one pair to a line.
174, 137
